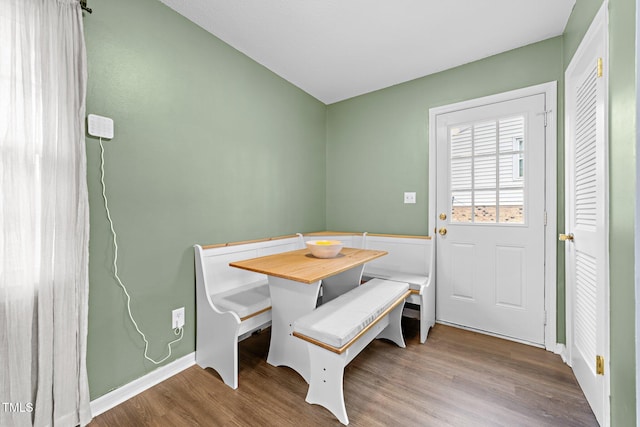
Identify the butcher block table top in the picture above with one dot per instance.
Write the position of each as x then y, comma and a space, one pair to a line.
301, 266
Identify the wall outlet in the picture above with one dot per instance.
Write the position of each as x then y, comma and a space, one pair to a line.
177, 318
410, 197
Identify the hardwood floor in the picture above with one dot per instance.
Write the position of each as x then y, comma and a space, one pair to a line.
457, 378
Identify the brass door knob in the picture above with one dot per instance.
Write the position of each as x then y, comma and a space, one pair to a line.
442, 231
565, 237
443, 216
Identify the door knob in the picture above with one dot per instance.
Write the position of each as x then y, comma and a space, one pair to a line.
565, 237
443, 216
442, 231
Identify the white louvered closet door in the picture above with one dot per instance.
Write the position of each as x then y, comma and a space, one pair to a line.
586, 245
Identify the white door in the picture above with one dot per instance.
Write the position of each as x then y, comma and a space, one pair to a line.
490, 207
586, 241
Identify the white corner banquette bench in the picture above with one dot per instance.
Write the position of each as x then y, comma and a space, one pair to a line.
233, 303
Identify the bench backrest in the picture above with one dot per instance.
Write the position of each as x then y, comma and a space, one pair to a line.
214, 262
350, 240
406, 254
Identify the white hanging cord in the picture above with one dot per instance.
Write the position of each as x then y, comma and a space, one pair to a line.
176, 331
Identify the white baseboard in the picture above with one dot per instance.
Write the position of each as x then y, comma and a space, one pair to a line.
561, 349
127, 391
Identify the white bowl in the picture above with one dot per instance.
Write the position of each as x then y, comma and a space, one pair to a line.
324, 248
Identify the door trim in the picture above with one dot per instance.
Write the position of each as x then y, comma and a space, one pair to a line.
551, 189
637, 229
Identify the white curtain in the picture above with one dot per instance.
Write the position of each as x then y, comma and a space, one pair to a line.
44, 218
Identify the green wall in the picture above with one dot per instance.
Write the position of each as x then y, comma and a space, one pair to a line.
622, 163
583, 13
377, 144
209, 147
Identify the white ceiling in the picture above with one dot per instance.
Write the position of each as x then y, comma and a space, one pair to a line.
338, 49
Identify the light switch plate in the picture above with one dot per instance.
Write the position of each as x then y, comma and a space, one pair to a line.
99, 126
410, 197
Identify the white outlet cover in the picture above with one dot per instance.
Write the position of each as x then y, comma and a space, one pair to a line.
177, 318
100, 126
410, 197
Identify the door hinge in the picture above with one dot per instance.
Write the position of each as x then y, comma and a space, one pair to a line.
599, 67
599, 365
545, 113
545, 218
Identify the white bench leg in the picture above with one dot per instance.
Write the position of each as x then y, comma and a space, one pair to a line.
327, 368
424, 327
325, 385
427, 312
393, 331
425, 324
217, 348
334, 286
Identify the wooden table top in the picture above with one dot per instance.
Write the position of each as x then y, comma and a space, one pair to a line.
303, 267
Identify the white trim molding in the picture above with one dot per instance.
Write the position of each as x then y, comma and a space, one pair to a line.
551, 187
637, 219
561, 350
127, 391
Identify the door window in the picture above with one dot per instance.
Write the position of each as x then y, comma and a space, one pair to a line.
487, 171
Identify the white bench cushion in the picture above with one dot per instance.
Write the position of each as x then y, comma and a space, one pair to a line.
244, 300
338, 321
415, 281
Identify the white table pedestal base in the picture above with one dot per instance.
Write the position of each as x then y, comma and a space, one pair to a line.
289, 301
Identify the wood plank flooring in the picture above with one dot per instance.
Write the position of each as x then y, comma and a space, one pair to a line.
457, 378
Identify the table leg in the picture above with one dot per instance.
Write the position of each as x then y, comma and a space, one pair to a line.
334, 286
289, 301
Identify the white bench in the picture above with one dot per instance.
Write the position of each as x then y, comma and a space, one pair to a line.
339, 330
231, 303
410, 259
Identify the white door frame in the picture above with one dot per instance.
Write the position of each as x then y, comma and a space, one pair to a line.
550, 91
637, 231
